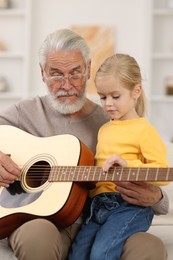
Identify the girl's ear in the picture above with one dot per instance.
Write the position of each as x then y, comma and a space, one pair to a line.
137, 91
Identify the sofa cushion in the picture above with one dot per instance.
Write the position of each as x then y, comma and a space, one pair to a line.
167, 219
164, 232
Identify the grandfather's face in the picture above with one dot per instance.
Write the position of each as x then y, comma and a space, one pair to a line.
66, 75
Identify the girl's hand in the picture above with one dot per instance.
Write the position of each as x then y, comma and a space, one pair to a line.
114, 160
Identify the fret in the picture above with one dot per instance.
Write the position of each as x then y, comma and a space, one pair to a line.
93, 177
82, 176
55, 173
99, 176
104, 175
128, 177
137, 175
113, 175
52, 173
66, 173
60, 173
70, 175
121, 174
157, 172
90, 172
150, 174
96, 173
74, 173
125, 176
63, 175
167, 174
142, 174
77, 177
82, 173
86, 173
146, 176
164, 173
133, 174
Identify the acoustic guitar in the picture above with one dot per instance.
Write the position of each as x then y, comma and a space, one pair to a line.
53, 169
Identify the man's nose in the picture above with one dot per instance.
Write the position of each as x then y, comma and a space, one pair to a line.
66, 84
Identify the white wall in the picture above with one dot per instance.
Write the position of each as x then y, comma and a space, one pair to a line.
131, 19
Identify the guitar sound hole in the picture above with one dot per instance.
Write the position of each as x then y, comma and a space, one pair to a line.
38, 174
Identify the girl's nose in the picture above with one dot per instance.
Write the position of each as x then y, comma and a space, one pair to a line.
108, 101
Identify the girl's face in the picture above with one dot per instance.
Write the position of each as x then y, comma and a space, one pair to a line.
117, 101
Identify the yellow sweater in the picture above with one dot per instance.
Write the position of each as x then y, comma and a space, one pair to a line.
136, 141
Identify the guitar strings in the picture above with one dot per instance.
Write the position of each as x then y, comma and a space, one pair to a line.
59, 173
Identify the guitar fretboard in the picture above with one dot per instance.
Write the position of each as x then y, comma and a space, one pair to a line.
94, 173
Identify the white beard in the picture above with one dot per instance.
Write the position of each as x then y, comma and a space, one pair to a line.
66, 108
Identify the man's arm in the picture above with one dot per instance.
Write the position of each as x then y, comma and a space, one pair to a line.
162, 207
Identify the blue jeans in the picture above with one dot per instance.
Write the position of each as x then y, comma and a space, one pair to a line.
111, 221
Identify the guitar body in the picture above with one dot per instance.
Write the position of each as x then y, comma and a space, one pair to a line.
60, 202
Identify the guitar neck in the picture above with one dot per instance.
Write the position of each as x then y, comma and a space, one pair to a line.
94, 173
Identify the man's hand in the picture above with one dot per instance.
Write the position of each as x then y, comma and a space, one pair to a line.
9, 171
139, 193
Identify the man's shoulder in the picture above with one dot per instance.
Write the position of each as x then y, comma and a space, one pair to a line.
101, 113
32, 100
32, 103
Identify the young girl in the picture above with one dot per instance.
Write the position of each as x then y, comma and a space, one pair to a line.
128, 139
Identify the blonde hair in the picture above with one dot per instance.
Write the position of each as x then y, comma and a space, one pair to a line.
128, 71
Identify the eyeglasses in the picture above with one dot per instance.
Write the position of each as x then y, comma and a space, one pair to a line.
74, 79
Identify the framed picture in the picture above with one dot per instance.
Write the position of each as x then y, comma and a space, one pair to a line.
101, 40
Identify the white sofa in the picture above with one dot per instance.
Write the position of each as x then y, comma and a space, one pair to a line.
162, 226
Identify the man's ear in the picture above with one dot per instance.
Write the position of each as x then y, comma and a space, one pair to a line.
137, 91
42, 73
